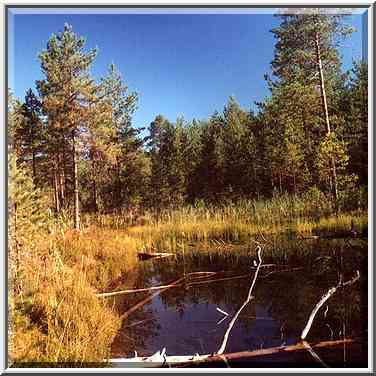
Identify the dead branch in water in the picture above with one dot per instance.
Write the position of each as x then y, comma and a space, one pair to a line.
323, 299
282, 271
160, 358
149, 298
249, 297
196, 281
152, 296
131, 291
257, 353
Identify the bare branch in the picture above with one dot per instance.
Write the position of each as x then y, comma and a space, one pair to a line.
249, 297
323, 299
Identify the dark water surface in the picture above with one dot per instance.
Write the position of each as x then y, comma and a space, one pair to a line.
185, 320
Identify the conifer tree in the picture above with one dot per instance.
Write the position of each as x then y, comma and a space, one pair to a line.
306, 52
67, 94
30, 134
121, 142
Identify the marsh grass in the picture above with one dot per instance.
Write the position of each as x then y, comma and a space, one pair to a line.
233, 222
57, 318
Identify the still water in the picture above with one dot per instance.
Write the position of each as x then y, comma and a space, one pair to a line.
187, 319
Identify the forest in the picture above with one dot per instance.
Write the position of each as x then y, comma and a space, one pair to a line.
88, 190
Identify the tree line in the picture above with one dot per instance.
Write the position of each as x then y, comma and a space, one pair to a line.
75, 138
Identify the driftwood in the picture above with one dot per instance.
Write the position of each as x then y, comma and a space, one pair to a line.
161, 287
249, 297
161, 359
323, 299
196, 282
155, 255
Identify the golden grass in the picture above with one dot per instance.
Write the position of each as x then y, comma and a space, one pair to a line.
107, 253
173, 234
333, 224
57, 318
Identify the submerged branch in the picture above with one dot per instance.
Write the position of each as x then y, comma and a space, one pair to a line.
314, 354
131, 291
323, 299
196, 281
152, 296
148, 299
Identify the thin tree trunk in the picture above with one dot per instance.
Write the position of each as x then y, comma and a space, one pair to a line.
326, 113
95, 204
62, 193
118, 186
34, 166
322, 83
75, 180
56, 193
61, 179
64, 171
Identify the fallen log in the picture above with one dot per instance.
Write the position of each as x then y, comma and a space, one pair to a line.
161, 359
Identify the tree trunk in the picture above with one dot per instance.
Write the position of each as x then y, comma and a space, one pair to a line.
326, 113
34, 167
60, 178
118, 186
75, 180
322, 83
56, 193
64, 173
95, 204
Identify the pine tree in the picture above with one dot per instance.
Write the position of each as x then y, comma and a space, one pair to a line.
31, 134
121, 145
306, 52
28, 214
353, 105
67, 94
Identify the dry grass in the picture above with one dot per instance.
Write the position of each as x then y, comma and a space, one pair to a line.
107, 254
56, 317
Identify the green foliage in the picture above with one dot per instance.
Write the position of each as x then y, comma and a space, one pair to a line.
28, 215
331, 149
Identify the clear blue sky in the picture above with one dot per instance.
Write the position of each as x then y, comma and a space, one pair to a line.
180, 64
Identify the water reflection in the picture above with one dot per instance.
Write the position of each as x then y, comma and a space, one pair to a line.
185, 319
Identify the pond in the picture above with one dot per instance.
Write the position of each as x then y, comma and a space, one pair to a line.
193, 317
